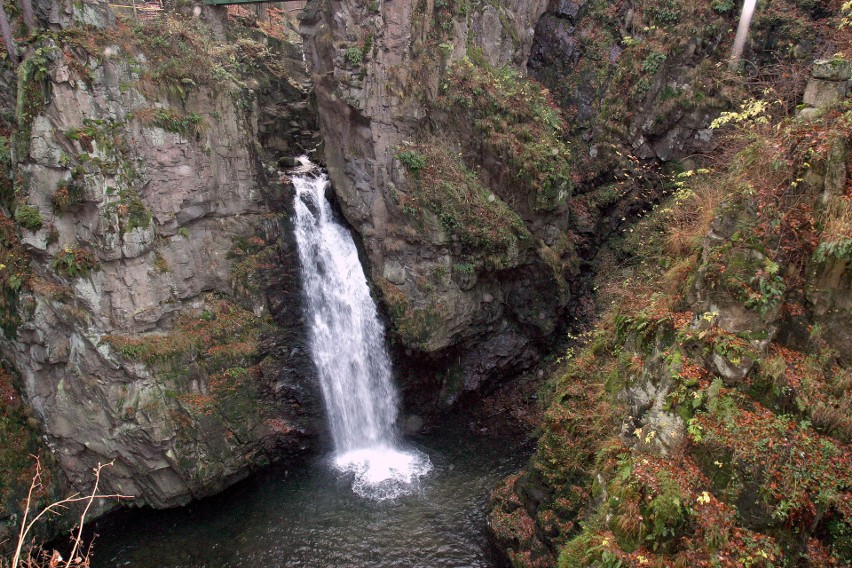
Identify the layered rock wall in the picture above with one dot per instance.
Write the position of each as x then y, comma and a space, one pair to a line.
381, 75
158, 324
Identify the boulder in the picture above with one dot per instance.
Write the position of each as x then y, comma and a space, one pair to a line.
832, 69
821, 93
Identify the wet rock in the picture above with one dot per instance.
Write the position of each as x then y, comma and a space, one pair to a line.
412, 424
287, 162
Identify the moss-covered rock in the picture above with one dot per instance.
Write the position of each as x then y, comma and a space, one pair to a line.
733, 445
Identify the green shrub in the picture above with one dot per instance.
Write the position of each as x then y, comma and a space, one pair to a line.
28, 217
840, 248
132, 211
652, 63
353, 56
74, 262
722, 6
413, 161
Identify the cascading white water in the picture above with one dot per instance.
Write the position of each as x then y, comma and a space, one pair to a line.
348, 348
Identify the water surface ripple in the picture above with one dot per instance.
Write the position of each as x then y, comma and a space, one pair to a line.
309, 517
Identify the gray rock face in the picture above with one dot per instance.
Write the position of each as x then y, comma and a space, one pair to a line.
832, 69
376, 74
821, 93
578, 56
67, 13
829, 84
650, 426
184, 227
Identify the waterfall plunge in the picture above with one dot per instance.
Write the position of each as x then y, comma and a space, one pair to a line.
348, 348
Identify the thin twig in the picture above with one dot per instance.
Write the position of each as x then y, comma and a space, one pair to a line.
62, 504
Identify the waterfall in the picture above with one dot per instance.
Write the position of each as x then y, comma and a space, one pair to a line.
347, 343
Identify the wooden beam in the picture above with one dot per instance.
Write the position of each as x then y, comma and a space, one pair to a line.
227, 2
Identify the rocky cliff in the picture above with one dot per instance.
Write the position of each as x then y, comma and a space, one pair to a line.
151, 298
465, 234
480, 196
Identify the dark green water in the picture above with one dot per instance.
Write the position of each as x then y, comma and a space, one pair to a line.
309, 517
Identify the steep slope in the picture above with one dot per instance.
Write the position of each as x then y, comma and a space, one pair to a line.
706, 421
480, 196
457, 262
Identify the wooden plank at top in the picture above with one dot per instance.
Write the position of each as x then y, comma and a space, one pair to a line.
227, 2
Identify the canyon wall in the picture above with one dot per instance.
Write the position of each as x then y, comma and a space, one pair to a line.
152, 311
472, 271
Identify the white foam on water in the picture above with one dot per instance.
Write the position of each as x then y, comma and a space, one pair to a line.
382, 472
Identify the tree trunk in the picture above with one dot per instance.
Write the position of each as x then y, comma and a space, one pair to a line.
6, 33
29, 19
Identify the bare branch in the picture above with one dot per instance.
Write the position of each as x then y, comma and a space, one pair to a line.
62, 504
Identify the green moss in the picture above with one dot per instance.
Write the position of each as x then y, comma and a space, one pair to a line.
520, 125
28, 217
487, 227
413, 326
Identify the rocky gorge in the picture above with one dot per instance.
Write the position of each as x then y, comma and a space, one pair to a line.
512, 172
